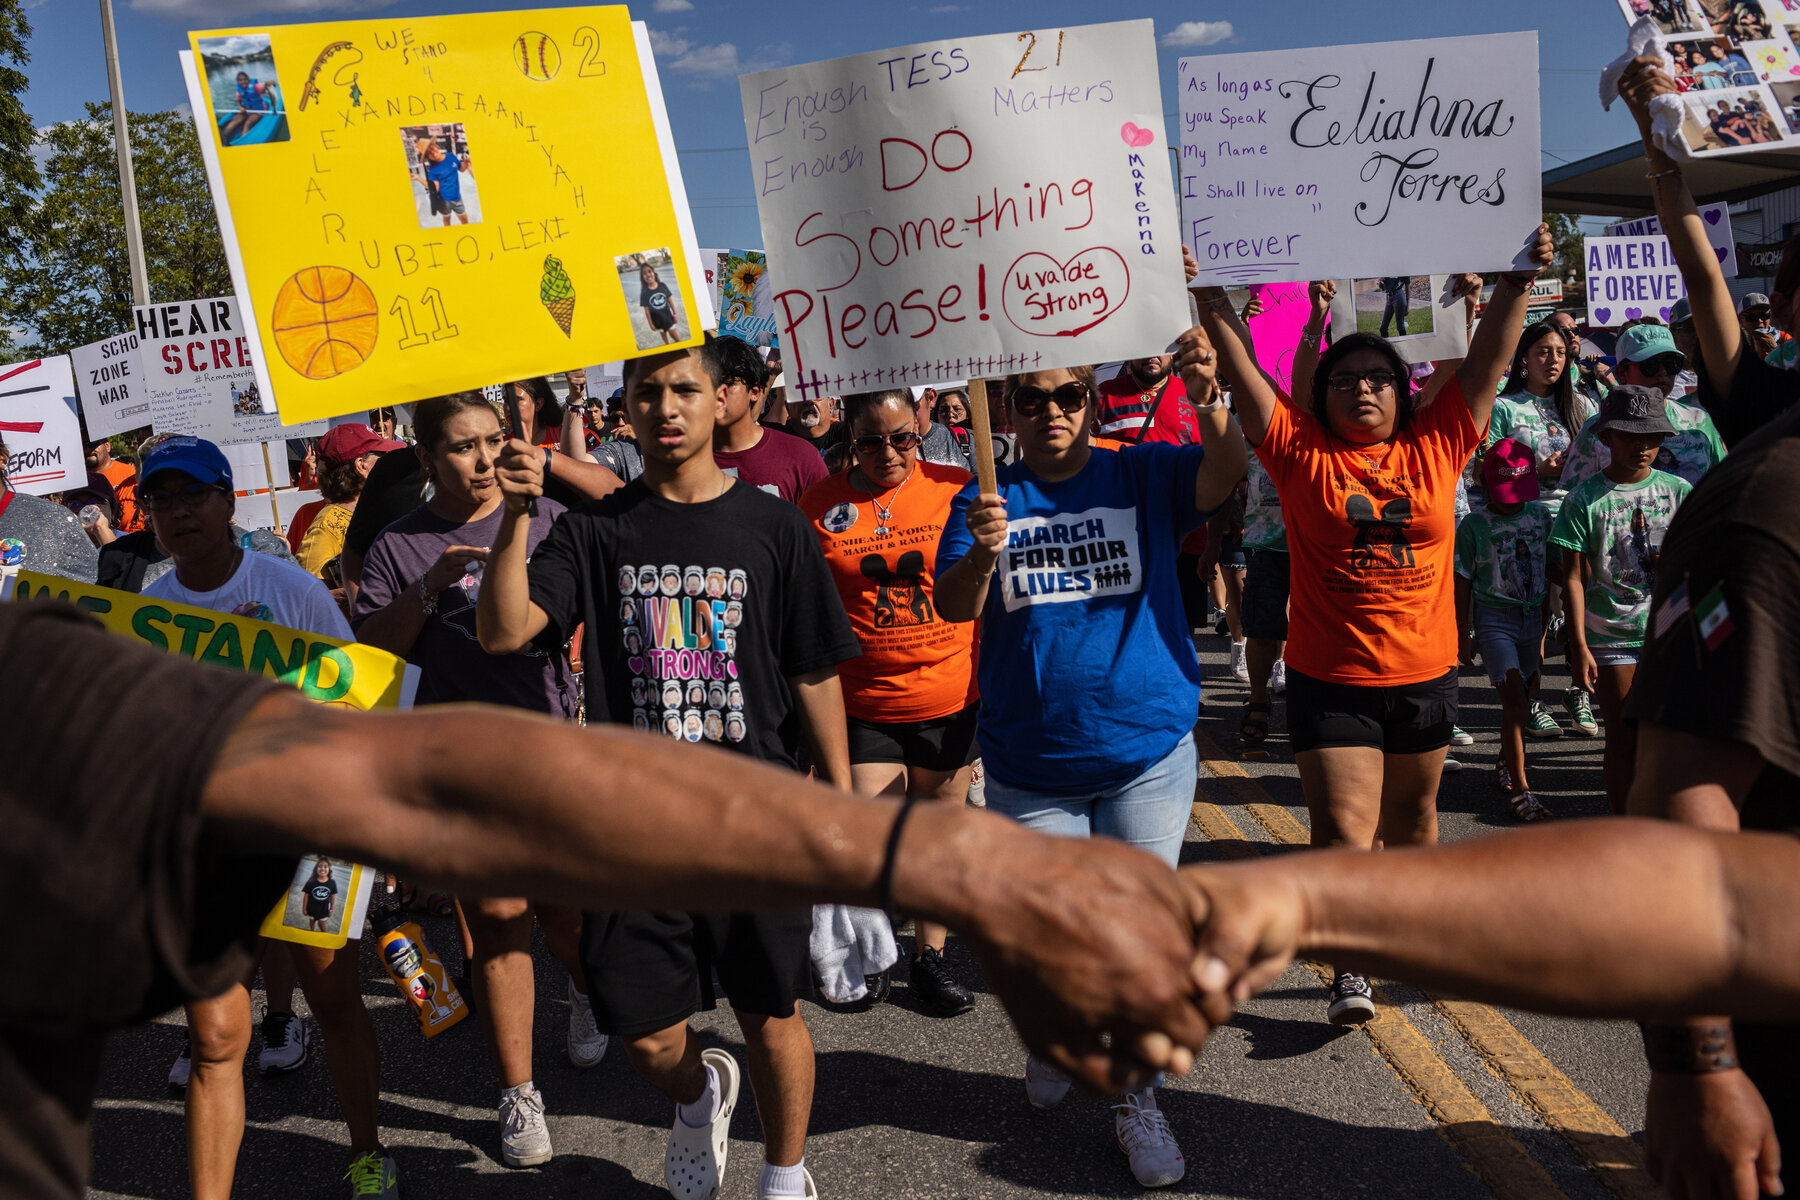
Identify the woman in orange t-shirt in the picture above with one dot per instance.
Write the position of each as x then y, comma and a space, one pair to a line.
910, 697
1368, 489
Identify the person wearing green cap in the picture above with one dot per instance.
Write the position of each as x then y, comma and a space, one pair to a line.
1648, 357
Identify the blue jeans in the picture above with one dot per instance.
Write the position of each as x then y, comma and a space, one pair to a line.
1150, 812
1510, 639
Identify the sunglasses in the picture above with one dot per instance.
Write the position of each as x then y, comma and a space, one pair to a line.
1662, 364
186, 496
871, 443
1350, 381
1031, 401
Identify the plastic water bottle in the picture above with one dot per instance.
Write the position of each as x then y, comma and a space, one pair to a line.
418, 973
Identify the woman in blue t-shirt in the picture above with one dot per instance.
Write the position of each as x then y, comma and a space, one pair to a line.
1088, 678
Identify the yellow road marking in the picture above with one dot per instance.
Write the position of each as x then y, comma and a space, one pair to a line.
1494, 1154
1600, 1142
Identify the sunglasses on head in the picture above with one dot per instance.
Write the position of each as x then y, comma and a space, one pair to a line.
871, 443
1030, 401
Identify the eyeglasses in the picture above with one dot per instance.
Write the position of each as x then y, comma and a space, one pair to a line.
1662, 364
1030, 401
186, 496
871, 443
1350, 381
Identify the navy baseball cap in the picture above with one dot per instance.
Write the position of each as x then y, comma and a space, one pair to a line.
190, 455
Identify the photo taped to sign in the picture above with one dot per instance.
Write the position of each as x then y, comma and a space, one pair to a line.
971, 207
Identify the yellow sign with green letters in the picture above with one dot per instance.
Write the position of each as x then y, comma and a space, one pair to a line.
424, 205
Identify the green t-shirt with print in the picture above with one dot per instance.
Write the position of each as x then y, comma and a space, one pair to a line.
1619, 528
1694, 449
1503, 554
1263, 527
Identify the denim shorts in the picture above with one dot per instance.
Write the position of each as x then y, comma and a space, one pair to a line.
1616, 656
1150, 812
1266, 596
1511, 639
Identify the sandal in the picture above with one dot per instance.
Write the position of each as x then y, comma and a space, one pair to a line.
1253, 728
1527, 808
439, 904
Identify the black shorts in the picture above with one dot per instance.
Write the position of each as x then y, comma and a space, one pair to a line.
1409, 719
1266, 595
944, 744
647, 971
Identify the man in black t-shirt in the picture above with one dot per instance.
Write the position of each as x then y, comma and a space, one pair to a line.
702, 598
1717, 696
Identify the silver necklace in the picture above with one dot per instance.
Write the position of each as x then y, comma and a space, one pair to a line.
884, 513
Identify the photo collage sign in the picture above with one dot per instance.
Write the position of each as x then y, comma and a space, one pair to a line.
1736, 66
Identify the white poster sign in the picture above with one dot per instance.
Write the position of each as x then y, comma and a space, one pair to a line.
967, 207
1630, 277
1416, 313
1359, 161
106, 376
1716, 218
44, 453
195, 363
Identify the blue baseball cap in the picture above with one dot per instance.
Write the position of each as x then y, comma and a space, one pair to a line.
1646, 341
190, 455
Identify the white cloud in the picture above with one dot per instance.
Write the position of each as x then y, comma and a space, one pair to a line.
1196, 33
705, 63
668, 45
673, 6
187, 9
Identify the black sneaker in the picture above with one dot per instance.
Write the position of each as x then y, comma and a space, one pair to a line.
937, 988
879, 985
1352, 1002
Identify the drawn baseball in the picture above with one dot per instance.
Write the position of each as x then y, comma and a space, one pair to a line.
325, 321
537, 56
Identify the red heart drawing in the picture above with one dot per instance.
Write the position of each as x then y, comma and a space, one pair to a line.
1051, 299
1136, 136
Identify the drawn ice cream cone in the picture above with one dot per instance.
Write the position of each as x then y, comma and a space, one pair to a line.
557, 294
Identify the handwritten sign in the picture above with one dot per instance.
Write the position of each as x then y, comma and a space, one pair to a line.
39, 428
1354, 161
1715, 217
967, 207
1630, 277
197, 373
106, 377
423, 205
1275, 331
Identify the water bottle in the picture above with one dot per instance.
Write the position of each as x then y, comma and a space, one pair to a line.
418, 973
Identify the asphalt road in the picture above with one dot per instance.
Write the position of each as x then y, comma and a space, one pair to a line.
1434, 1100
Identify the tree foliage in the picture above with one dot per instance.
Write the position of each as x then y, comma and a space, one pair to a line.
70, 278
18, 171
1565, 231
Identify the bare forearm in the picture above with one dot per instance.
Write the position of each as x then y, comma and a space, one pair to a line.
1611, 917
959, 593
820, 696
1227, 459
1715, 315
1306, 361
1251, 390
1491, 348
503, 611
588, 477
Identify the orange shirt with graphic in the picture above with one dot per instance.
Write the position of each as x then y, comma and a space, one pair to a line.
915, 666
1371, 534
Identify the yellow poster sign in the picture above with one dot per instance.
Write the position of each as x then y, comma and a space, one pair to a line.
425, 205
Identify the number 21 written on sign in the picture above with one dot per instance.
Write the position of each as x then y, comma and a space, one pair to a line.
410, 334
1030, 40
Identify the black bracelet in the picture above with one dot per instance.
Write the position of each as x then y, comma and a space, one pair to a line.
1687, 1050
884, 887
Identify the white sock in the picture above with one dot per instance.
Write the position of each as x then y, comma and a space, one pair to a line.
704, 1110
783, 1181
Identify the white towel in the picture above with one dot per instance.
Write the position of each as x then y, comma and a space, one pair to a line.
847, 945
1665, 111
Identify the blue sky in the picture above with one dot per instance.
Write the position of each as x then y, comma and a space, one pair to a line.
703, 44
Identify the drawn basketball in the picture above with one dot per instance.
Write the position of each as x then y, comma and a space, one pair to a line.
324, 322
537, 56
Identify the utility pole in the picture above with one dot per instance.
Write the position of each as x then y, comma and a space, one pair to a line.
134, 236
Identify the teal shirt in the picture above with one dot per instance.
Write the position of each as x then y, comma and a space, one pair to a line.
1619, 528
1503, 555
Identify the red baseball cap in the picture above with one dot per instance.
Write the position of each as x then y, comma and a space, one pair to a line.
1509, 469
347, 443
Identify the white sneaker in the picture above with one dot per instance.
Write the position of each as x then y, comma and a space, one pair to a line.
587, 1045
181, 1068
1045, 1086
811, 1193
1144, 1135
284, 1045
695, 1162
524, 1138
1278, 678
1240, 668
1451, 765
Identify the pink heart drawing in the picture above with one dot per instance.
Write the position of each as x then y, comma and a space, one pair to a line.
1664, 312
1632, 314
1603, 315
1794, 70
1720, 252
1135, 136
1051, 299
1713, 215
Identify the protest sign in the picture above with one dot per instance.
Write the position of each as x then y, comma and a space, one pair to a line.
1275, 331
967, 207
1416, 313
195, 369
1359, 161
1715, 217
107, 380
1759, 260
39, 428
741, 295
424, 205
1630, 277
